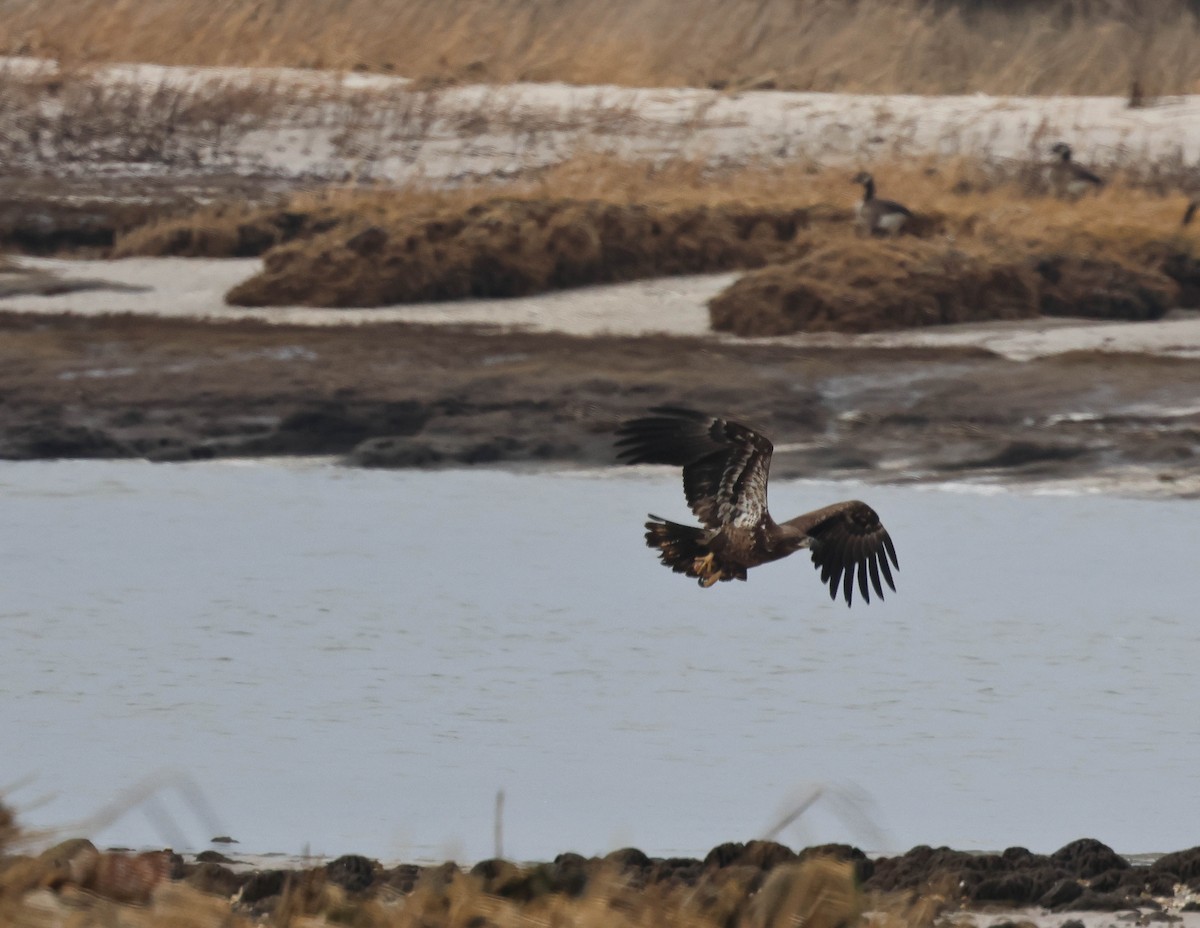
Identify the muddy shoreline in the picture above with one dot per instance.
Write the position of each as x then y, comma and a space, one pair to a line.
397, 395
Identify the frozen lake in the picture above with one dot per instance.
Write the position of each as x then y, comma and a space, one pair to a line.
356, 661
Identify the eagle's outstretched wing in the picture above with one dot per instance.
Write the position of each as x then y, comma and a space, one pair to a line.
724, 464
849, 540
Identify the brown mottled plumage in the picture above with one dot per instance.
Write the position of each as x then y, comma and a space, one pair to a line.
725, 467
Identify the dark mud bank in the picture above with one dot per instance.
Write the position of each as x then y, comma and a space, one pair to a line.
412, 396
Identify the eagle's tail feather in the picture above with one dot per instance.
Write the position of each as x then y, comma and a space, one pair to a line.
684, 549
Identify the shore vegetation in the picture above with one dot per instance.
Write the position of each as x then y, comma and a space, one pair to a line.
1143, 48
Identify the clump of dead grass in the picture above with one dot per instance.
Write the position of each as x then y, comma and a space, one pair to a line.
987, 244
515, 247
998, 253
1104, 47
861, 285
226, 231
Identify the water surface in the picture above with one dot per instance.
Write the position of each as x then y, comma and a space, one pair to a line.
356, 661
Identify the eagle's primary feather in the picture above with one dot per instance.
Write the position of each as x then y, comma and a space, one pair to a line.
725, 467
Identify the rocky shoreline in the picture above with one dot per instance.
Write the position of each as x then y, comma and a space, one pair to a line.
1083, 876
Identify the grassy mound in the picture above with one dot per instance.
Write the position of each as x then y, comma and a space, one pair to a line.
987, 244
226, 232
866, 286
858, 285
1102, 287
514, 247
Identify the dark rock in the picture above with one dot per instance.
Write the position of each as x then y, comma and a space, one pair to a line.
761, 854
571, 859
766, 854
1143, 881
224, 839
352, 872
917, 867
402, 878
570, 873
1022, 887
1183, 865
1062, 892
628, 858
439, 877
864, 867
210, 877
678, 871
1087, 858
212, 857
492, 868
1090, 901
262, 884
1072, 923
505, 879
1021, 856
1109, 880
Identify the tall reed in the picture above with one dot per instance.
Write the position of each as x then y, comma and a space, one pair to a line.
951, 46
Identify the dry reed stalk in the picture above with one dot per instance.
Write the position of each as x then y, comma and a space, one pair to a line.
1101, 47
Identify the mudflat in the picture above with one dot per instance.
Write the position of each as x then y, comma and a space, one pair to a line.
399, 394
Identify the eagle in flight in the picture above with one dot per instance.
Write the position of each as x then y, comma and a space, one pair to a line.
725, 467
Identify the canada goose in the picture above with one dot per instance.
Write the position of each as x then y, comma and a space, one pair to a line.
1190, 212
725, 467
1069, 179
879, 217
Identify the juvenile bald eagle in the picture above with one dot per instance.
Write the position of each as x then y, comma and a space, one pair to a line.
725, 467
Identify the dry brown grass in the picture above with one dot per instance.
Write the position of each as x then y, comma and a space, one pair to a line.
1057, 46
998, 252
512, 247
860, 285
987, 247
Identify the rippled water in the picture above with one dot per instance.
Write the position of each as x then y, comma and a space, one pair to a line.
356, 661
